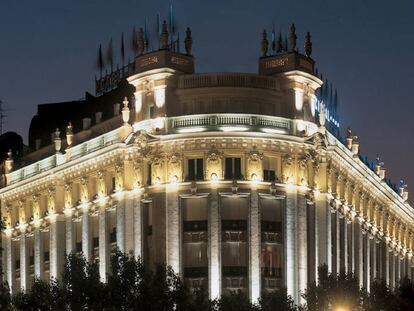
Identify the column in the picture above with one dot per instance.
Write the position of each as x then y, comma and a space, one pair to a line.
129, 223
323, 220
103, 243
373, 259
290, 245
138, 227
120, 225
254, 242
214, 238
24, 262
56, 247
397, 270
11, 260
38, 254
312, 242
367, 261
351, 247
343, 245
302, 243
385, 263
359, 267
402, 269
392, 269
69, 234
173, 228
337, 244
86, 236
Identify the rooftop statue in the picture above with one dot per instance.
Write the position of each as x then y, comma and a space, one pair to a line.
265, 44
188, 41
292, 39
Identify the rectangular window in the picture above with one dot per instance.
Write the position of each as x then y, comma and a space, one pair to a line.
271, 255
113, 184
151, 111
149, 174
195, 169
269, 169
232, 168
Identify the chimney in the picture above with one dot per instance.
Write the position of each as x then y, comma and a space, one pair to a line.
86, 123
98, 117
117, 106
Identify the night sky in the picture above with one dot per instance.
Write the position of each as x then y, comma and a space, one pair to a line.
48, 53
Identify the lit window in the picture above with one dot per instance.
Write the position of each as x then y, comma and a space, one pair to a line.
269, 169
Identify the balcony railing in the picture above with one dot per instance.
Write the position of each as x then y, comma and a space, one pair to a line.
76, 151
215, 122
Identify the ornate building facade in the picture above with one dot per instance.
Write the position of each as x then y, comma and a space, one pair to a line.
232, 179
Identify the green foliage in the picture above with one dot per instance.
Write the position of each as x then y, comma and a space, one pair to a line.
132, 286
277, 300
333, 291
236, 301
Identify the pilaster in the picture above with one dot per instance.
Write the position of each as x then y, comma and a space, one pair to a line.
214, 239
254, 243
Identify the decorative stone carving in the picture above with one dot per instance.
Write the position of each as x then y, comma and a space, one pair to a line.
175, 171
265, 44
51, 205
138, 173
292, 39
164, 37
308, 45
188, 41
254, 165
140, 42
214, 166
287, 166
84, 193
119, 176
68, 195
22, 212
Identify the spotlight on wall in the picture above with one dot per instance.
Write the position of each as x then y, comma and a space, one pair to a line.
174, 180
254, 179
214, 178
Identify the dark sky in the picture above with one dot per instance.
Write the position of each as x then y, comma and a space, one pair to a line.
48, 53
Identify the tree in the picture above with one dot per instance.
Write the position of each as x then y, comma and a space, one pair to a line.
277, 300
333, 291
236, 301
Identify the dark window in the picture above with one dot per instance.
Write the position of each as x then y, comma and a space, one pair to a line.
78, 247
113, 184
46, 256
195, 169
112, 236
95, 242
151, 111
269, 175
232, 168
195, 225
149, 178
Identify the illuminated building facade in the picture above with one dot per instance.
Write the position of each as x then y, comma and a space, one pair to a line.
232, 179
